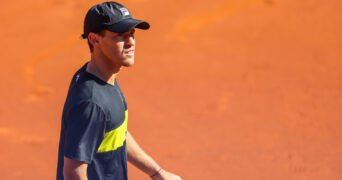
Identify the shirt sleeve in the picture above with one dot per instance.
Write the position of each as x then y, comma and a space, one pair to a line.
85, 129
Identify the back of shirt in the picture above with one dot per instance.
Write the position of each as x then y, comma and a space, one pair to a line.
94, 127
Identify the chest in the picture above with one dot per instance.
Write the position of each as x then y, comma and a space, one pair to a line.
116, 110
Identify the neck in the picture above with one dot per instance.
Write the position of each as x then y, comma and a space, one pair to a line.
101, 68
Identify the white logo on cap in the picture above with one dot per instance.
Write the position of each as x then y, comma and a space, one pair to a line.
124, 11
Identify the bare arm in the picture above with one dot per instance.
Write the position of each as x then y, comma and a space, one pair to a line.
144, 162
74, 170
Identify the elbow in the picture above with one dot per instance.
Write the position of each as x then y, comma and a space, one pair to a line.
74, 170
69, 174
74, 174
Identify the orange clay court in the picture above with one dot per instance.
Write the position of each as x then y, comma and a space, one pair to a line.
221, 90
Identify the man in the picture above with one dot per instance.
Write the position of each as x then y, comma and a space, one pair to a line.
94, 141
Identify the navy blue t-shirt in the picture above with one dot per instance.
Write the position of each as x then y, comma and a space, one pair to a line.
94, 127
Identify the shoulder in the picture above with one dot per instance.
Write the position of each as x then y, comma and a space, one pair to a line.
86, 87
84, 113
86, 109
84, 95
81, 92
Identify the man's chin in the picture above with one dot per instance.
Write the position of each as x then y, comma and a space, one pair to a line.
128, 63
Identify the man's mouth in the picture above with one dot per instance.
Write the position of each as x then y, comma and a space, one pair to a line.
129, 52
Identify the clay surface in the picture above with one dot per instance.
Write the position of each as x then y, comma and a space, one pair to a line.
221, 90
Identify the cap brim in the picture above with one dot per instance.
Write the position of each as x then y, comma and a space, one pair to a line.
128, 24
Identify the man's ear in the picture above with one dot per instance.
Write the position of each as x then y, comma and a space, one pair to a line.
93, 39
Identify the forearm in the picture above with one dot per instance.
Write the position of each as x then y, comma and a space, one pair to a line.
139, 158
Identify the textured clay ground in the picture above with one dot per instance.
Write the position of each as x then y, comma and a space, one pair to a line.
221, 90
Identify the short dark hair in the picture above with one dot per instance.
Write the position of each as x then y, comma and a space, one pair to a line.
91, 47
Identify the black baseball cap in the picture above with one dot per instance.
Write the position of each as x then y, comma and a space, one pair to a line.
111, 16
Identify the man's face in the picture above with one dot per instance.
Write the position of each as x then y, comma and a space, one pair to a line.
118, 48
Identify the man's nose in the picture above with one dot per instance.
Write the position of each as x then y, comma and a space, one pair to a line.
130, 41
